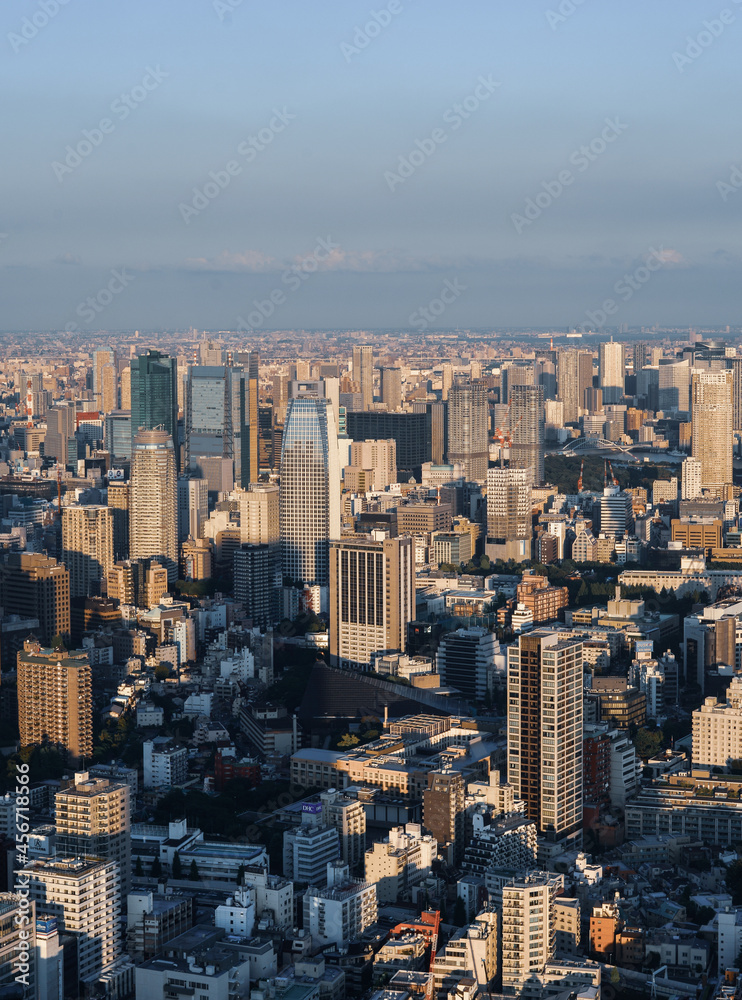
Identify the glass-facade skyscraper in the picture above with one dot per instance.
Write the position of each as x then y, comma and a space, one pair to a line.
309, 500
154, 395
222, 420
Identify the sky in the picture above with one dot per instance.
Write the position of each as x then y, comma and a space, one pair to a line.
226, 164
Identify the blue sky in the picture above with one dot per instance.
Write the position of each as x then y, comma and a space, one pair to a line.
200, 80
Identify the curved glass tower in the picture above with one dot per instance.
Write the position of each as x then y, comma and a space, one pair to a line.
309, 498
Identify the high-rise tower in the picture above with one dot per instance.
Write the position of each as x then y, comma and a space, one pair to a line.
88, 549
363, 374
711, 426
612, 371
309, 498
220, 401
153, 500
467, 429
154, 396
509, 514
527, 430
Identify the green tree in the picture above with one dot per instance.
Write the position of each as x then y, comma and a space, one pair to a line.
138, 870
156, 870
162, 670
648, 742
348, 740
193, 874
459, 912
177, 866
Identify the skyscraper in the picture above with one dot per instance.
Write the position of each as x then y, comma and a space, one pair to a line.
257, 562
528, 932
468, 418
309, 498
153, 500
154, 396
612, 370
674, 386
574, 375
691, 483
509, 510
515, 374
60, 443
118, 501
545, 732
372, 598
102, 359
736, 366
711, 426
88, 549
37, 586
391, 388
193, 506
527, 430
220, 401
55, 704
363, 374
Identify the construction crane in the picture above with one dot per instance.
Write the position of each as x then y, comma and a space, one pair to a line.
579, 478
613, 478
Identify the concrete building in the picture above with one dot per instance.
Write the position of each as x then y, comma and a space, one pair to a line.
362, 373
467, 429
340, 912
36, 586
691, 478
391, 388
611, 368
274, 896
84, 894
372, 598
444, 811
528, 932
469, 957
545, 732
165, 765
348, 817
193, 507
153, 500
717, 729
117, 498
712, 426
466, 661
574, 375
87, 547
153, 919
55, 704
140, 583
528, 429
372, 466
310, 847
509, 514
402, 860
92, 817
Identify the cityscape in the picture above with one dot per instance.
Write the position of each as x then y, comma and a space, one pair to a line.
370, 484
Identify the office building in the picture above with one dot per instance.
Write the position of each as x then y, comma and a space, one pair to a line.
574, 375
509, 514
255, 582
310, 847
140, 583
372, 598
545, 731
411, 432
118, 433
259, 514
527, 430
153, 500
92, 819
154, 396
220, 401
611, 370
673, 394
616, 513
711, 426
84, 894
362, 373
309, 497
37, 586
193, 507
528, 932
341, 911
87, 547
468, 419
165, 763
373, 466
55, 705
60, 442
466, 661
444, 812
391, 388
